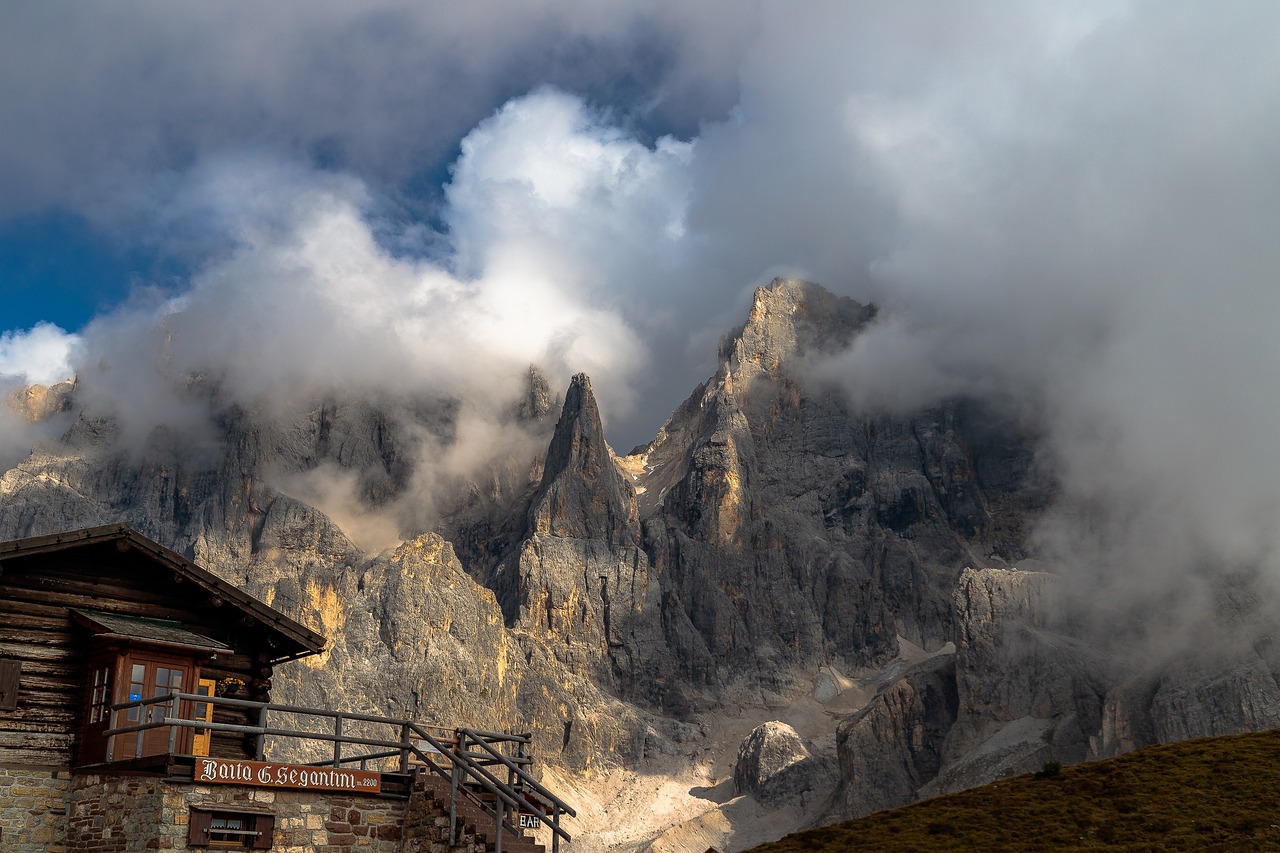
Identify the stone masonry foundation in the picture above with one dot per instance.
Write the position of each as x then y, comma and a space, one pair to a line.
51, 811
33, 809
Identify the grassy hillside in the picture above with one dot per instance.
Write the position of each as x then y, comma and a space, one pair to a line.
1209, 794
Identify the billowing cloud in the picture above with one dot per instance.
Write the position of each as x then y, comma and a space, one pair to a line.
1082, 230
39, 355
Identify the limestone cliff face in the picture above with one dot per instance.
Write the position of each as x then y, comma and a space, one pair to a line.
856, 525
40, 402
1025, 686
582, 584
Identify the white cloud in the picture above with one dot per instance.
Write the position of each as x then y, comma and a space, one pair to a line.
40, 355
309, 300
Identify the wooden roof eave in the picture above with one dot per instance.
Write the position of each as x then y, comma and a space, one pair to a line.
308, 642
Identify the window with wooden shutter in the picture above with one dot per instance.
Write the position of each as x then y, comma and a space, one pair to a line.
230, 830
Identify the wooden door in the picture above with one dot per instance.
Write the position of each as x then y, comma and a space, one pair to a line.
203, 711
150, 677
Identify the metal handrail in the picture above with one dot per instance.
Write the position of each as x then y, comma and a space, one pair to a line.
466, 768
504, 793
481, 740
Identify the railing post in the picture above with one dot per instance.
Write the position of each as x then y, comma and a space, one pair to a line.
404, 747
260, 749
337, 743
143, 711
173, 730
497, 844
453, 802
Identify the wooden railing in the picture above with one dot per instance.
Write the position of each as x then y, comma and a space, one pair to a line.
488, 769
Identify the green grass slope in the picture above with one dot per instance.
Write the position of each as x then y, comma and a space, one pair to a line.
1209, 794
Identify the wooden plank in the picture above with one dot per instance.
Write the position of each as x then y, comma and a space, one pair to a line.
51, 758
72, 668
39, 637
88, 580
37, 653
36, 682
37, 704
84, 594
48, 741
51, 720
57, 541
14, 618
44, 703
13, 605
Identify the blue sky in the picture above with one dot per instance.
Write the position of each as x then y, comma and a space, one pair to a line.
58, 268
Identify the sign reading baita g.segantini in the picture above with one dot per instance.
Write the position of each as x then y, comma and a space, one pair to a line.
264, 774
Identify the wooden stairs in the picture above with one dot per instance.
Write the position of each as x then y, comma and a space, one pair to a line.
426, 824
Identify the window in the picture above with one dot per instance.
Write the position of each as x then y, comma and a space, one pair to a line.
230, 830
137, 685
100, 700
226, 830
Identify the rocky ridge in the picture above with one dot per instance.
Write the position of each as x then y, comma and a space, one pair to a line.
818, 603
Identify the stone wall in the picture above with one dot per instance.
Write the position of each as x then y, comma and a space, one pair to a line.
50, 811
33, 810
114, 814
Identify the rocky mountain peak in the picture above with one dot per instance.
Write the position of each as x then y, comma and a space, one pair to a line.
787, 317
537, 401
583, 494
36, 403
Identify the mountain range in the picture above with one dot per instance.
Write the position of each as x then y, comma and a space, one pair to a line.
783, 610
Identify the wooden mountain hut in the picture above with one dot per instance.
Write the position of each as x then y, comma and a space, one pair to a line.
101, 616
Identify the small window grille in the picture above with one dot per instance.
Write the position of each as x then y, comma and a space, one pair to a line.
228, 830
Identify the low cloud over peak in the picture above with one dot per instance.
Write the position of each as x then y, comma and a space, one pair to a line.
1070, 210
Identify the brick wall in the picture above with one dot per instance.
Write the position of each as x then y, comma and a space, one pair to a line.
33, 810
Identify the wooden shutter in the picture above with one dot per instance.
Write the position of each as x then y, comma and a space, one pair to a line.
265, 824
198, 823
10, 672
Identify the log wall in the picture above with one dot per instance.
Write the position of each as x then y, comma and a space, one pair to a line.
37, 593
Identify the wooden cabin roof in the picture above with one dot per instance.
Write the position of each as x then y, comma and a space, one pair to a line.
293, 640
154, 632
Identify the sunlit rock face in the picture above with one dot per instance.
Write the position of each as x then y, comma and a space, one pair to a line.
772, 549
36, 403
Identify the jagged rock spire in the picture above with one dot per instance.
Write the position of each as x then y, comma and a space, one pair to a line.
583, 494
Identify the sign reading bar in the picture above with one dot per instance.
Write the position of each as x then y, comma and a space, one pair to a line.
264, 774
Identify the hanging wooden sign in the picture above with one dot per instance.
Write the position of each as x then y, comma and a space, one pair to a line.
265, 774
